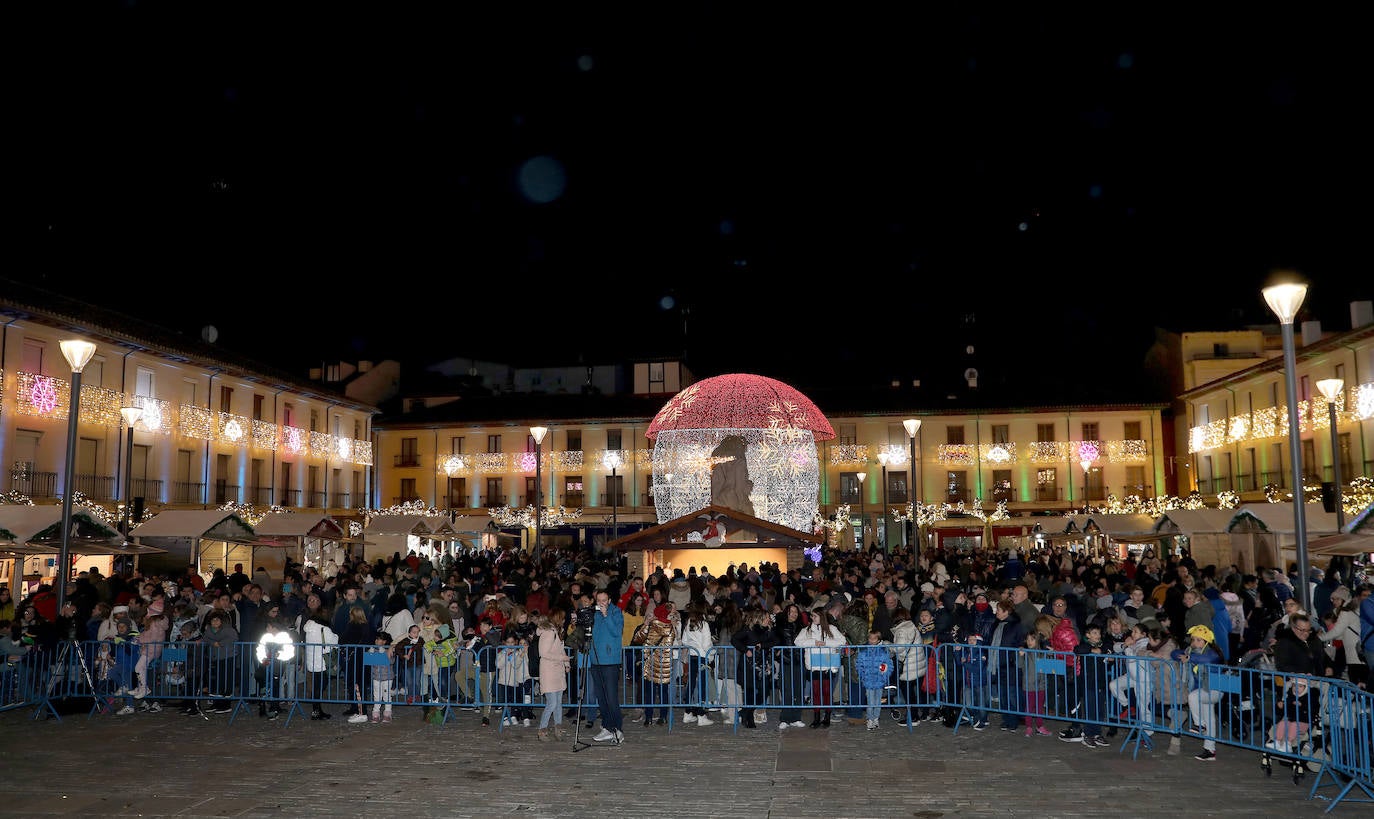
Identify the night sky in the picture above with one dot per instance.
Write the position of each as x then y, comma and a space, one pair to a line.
825, 193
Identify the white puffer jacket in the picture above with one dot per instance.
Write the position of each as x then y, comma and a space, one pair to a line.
319, 638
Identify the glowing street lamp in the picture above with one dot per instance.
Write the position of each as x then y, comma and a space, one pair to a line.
538, 434
131, 416
1331, 389
1285, 299
614, 461
78, 354
913, 426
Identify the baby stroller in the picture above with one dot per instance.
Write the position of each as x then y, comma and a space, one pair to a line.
1289, 738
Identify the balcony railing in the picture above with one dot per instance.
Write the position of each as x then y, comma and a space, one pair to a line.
1279, 479
400, 499
574, 500
290, 497
96, 487
260, 495
1048, 494
342, 500
188, 492
1246, 483
316, 499
1139, 490
225, 493
489, 501
407, 459
145, 488
613, 499
34, 484
647, 499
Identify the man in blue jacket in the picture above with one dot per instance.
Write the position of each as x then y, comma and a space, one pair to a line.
607, 633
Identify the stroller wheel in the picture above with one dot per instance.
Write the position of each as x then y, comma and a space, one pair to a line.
1266, 765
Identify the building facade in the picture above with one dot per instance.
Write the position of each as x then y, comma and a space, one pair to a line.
212, 429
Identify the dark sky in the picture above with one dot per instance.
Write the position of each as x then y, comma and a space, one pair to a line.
823, 191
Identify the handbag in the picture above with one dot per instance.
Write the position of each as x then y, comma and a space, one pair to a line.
641, 634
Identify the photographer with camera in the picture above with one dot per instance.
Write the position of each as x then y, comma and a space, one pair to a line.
608, 623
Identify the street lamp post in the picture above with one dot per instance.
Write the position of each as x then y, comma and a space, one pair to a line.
1285, 299
1087, 468
614, 461
861, 477
1331, 389
78, 354
912, 426
882, 459
131, 416
538, 434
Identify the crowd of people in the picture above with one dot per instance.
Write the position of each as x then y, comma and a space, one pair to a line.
849, 638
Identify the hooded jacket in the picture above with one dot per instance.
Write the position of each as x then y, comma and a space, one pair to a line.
658, 656
911, 657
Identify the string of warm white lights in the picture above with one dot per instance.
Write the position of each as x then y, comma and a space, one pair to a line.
1272, 422
525, 519
45, 396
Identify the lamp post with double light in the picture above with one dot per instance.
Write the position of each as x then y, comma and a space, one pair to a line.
1285, 299
1331, 389
78, 354
538, 434
913, 426
131, 416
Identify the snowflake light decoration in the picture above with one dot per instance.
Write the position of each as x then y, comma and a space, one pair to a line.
43, 395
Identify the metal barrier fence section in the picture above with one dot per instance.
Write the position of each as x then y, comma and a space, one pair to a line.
1309, 724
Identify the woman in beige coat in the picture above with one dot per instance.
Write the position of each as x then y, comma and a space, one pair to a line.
1345, 630
553, 676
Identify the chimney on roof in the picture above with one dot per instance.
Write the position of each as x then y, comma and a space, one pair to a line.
1361, 314
1311, 332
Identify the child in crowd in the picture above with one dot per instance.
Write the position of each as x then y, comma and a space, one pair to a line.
1096, 672
973, 660
1202, 700
1033, 684
512, 670
409, 653
873, 662
381, 677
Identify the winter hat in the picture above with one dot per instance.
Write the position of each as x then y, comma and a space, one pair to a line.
1104, 602
1203, 632
1341, 592
155, 607
119, 610
661, 613
927, 587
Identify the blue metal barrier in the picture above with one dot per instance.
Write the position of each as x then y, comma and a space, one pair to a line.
1309, 723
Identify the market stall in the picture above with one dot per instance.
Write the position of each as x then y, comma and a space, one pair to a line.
308, 539
207, 539
32, 534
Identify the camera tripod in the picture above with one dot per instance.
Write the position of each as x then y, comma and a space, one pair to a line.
583, 679
57, 673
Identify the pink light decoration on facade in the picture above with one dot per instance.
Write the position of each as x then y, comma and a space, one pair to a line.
292, 439
524, 461
43, 395
1088, 451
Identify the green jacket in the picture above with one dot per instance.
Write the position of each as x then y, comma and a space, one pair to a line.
855, 631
